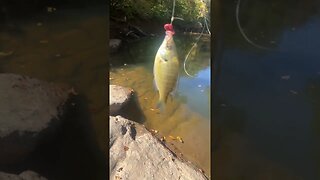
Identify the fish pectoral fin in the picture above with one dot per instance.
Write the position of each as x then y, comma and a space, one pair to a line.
174, 93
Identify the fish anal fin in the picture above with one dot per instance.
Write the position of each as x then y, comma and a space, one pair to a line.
155, 85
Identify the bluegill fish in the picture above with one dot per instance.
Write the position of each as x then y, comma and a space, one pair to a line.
166, 66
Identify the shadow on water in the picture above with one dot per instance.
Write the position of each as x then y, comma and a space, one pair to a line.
67, 149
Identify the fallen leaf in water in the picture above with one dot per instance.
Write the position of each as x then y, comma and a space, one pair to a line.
173, 138
154, 131
180, 139
163, 139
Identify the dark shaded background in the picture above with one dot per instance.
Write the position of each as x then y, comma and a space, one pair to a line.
266, 126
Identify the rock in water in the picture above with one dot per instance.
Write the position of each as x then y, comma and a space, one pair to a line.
29, 108
136, 154
114, 45
118, 97
26, 175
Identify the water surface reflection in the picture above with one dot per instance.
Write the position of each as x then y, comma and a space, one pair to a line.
269, 87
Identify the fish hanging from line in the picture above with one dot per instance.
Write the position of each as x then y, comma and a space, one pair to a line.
166, 67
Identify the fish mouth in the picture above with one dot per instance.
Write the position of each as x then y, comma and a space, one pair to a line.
170, 33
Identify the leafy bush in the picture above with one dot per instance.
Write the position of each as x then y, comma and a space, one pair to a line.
189, 10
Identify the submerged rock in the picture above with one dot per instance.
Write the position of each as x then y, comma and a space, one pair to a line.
26, 175
114, 45
136, 154
29, 111
118, 97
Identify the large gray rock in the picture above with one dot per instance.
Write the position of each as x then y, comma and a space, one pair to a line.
28, 108
118, 97
136, 154
26, 175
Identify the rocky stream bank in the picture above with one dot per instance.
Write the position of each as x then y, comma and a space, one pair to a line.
137, 152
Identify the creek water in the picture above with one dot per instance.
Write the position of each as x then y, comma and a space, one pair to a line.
188, 112
266, 102
67, 46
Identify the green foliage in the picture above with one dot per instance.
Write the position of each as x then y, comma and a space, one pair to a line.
189, 10
159, 11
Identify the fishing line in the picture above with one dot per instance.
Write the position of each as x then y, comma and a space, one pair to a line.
172, 16
194, 46
173, 7
205, 21
242, 32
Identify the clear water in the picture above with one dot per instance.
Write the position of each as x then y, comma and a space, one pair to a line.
188, 114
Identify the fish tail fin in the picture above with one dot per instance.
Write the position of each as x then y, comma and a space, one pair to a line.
161, 105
